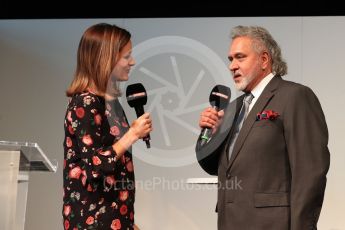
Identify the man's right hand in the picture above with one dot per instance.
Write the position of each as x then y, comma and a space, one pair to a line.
211, 118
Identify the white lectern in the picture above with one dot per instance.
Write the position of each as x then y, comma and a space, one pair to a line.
17, 159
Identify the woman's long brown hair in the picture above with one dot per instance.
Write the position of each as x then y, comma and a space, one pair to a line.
98, 52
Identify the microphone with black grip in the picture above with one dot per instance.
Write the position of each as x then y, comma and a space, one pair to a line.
137, 98
219, 99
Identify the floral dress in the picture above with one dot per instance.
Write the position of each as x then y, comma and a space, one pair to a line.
98, 185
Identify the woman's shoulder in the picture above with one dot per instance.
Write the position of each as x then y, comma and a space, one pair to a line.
86, 99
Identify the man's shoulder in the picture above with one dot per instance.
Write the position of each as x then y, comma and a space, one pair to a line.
294, 87
296, 92
286, 84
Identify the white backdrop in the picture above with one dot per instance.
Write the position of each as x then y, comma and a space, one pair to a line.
179, 60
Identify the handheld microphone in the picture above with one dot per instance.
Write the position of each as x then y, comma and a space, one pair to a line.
219, 99
137, 98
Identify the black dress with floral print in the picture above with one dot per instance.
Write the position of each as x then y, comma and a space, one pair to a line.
98, 185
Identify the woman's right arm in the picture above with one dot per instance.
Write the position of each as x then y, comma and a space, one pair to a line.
138, 129
97, 160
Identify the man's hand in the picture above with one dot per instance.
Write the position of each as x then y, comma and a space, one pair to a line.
211, 118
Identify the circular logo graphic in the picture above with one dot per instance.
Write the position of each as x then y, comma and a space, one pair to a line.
178, 74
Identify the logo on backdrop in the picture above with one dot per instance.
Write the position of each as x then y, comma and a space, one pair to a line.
178, 74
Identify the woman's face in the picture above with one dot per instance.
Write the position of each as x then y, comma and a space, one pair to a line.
124, 64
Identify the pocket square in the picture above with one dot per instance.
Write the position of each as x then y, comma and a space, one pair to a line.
267, 115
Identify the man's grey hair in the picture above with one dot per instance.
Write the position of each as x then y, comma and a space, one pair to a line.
263, 41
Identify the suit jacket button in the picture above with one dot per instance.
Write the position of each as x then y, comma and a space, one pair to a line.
228, 175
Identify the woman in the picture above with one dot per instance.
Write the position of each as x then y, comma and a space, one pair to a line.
98, 170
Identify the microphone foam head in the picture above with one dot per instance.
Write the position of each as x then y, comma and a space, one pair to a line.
136, 95
220, 96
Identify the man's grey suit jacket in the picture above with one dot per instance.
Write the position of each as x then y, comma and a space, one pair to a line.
276, 176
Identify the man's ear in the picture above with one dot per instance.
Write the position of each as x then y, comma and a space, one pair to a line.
265, 59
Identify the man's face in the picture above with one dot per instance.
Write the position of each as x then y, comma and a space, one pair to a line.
245, 64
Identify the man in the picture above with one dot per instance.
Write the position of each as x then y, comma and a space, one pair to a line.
270, 152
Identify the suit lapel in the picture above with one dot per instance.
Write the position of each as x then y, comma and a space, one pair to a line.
229, 119
260, 104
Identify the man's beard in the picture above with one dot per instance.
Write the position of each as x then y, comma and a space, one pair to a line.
245, 81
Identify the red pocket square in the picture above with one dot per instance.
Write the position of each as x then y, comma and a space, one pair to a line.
267, 115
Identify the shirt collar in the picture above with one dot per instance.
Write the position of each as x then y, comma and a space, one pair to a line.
261, 86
